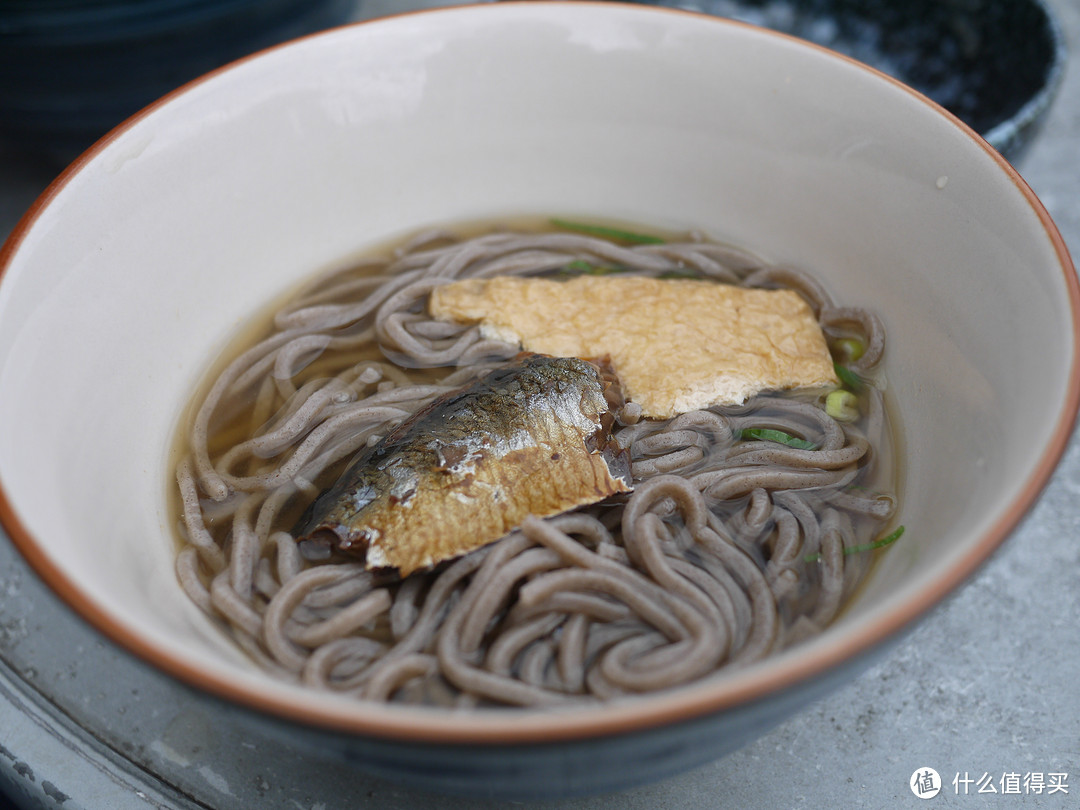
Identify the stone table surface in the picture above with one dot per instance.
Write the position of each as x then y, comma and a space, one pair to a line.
987, 686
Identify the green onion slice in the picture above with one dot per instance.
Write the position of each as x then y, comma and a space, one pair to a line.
581, 266
780, 436
608, 233
842, 405
850, 349
590, 269
881, 542
848, 377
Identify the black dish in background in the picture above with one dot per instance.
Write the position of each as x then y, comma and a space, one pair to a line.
995, 64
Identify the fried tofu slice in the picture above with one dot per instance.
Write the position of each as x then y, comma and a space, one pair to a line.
677, 345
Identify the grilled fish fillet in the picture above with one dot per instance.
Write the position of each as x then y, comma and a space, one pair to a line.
532, 438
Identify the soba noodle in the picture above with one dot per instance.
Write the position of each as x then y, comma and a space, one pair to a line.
726, 551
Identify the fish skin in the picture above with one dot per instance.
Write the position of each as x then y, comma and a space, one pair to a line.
532, 438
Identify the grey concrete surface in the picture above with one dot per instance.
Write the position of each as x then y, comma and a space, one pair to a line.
986, 687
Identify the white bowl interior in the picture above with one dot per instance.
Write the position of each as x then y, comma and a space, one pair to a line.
156, 249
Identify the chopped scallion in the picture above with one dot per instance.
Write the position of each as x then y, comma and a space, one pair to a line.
849, 349
842, 405
780, 436
881, 542
848, 377
608, 233
589, 269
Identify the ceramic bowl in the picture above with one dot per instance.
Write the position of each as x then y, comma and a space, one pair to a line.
134, 269
996, 64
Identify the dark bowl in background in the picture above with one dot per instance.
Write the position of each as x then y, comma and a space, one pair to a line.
995, 64
70, 70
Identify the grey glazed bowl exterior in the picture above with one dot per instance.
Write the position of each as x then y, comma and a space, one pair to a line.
561, 768
250, 179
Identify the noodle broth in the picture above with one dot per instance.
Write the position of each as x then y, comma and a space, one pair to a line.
730, 547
